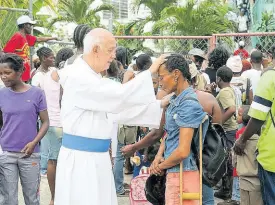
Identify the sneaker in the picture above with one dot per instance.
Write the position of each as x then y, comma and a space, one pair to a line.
124, 194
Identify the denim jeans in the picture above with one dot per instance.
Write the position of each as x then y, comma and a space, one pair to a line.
44, 152
208, 195
267, 180
236, 189
118, 170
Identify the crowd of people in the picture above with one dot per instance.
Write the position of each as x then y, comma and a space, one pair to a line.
81, 117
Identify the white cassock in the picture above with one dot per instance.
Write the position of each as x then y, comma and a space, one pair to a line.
90, 105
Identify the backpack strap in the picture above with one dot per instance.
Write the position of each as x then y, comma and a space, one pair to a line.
196, 130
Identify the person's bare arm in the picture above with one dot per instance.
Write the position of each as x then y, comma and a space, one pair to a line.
228, 113
250, 96
159, 158
153, 136
217, 113
180, 153
45, 39
55, 76
161, 148
61, 95
253, 127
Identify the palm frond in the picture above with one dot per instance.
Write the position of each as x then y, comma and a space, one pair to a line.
59, 19
104, 7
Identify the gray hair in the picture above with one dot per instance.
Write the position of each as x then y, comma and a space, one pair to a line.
90, 42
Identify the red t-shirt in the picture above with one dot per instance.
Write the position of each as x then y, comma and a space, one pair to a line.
238, 134
20, 45
242, 53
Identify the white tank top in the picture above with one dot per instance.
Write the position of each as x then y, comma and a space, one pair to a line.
52, 92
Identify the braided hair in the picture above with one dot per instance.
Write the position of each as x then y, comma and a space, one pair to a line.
14, 61
79, 35
63, 55
43, 52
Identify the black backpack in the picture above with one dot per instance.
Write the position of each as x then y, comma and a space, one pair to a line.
155, 189
214, 153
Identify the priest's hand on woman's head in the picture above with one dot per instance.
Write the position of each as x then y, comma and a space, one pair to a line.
157, 63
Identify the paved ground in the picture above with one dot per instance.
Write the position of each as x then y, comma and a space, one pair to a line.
45, 194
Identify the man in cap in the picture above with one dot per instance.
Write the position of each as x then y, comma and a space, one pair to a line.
198, 57
241, 51
22, 40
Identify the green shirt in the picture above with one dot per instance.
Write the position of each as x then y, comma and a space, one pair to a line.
227, 99
260, 108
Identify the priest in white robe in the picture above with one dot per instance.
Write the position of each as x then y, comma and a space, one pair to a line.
90, 105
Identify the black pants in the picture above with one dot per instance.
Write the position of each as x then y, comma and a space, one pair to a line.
231, 138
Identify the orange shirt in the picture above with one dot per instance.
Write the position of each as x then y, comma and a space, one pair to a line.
20, 45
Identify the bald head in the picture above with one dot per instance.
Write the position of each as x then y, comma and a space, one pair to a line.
99, 49
97, 37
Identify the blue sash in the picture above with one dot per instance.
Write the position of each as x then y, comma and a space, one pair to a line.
85, 144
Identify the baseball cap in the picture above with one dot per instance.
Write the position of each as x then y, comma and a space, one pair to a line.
241, 43
235, 64
196, 52
25, 19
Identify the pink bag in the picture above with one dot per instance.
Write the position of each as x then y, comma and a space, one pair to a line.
137, 193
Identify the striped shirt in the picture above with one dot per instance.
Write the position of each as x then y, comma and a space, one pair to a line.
260, 109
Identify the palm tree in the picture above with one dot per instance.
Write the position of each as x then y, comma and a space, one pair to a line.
79, 11
134, 28
156, 7
193, 19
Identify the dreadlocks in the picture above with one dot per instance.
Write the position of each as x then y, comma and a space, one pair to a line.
43, 52
63, 55
79, 34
